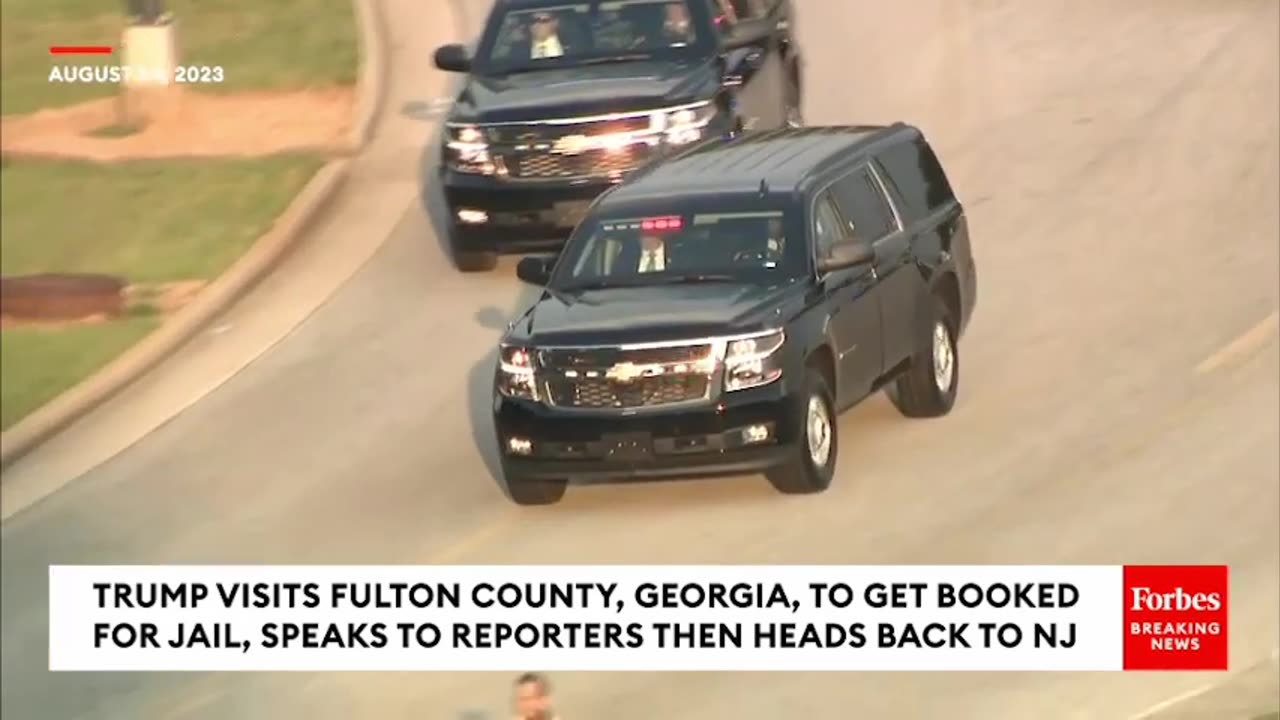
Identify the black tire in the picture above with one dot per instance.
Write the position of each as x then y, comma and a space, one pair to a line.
919, 393
470, 261
527, 491
801, 474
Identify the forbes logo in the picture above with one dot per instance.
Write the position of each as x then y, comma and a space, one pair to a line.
1144, 598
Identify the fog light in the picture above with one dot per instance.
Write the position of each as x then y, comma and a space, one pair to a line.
755, 434
473, 217
519, 446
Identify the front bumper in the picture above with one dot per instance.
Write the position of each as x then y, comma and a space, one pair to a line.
706, 440
519, 216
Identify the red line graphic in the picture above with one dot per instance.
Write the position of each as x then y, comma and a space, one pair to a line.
81, 50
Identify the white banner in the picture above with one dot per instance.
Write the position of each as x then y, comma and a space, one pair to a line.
559, 618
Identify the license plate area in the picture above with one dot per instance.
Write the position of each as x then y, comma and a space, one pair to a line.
627, 447
568, 214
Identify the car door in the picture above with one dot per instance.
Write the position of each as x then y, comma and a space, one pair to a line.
862, 198
754, 67
854, 311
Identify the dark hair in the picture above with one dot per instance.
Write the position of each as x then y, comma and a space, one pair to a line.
536, 678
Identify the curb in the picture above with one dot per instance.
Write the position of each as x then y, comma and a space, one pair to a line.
372, 79
220, 294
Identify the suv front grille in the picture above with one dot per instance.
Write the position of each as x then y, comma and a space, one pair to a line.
529, 152
616, 378
551, 165
600, 393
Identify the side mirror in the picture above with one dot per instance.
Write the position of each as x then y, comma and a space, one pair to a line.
847, 255
535, 270
453, 58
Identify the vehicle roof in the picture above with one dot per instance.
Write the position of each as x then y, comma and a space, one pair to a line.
783, 159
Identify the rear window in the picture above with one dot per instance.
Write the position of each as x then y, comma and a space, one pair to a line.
916, 174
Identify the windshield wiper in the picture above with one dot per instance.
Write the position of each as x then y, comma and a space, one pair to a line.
631, 57
683, 278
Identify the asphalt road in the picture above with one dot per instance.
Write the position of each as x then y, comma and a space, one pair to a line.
1119, 397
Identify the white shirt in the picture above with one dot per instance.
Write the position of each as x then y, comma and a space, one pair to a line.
549, 48
652, 261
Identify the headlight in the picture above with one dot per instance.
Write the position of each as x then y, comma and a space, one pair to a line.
752, 362
467, 151
516, 377
687, 124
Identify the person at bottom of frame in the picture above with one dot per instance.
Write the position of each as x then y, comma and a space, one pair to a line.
533, 698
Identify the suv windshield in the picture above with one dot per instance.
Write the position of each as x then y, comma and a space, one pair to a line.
731, 243
573, 34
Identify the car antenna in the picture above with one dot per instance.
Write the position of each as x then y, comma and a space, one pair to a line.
764, 187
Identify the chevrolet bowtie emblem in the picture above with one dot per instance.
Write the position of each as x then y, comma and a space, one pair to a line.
624, 372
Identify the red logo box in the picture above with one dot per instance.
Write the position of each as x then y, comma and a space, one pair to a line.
1175, 617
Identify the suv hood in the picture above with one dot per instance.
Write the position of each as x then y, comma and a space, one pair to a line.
591, 90
652, 314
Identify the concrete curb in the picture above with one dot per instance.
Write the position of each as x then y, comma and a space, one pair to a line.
220, 294
372, 80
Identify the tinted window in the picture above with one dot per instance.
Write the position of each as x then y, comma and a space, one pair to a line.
916, 174
730, 239
558, 35
862, 203
827, 227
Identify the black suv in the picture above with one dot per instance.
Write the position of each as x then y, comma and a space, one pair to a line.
717, 311
563, 100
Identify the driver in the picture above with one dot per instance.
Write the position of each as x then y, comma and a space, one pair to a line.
545, 37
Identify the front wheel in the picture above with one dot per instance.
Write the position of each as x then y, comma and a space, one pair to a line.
469, 261
812, 464
528, 491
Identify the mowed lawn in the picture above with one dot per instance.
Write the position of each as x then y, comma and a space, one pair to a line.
261, 45
148, 222
155, 221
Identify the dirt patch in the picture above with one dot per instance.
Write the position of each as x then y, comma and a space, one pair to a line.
181, 123
162, 299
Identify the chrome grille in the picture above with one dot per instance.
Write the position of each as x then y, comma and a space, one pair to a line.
605, 378
598, 393
528, 152
550, 165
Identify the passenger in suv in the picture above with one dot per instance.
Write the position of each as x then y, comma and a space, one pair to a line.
803, 270
563, 100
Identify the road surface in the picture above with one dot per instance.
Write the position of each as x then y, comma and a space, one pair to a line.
1119, 398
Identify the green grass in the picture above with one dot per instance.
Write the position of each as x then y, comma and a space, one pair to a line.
37, 364
260, 44
1269, 716
147, 221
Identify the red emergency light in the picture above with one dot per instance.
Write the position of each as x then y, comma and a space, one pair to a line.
662, 224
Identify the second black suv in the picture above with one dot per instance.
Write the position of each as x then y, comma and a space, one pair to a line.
717, 311
562, 100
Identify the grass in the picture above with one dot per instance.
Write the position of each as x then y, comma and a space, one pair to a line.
260, 44
36, 364
149, 221
1275, 715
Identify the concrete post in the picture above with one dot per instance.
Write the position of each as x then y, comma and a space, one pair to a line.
150, 57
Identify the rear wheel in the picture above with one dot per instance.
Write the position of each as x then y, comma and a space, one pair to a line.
528, 491
812, 464
928, 388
